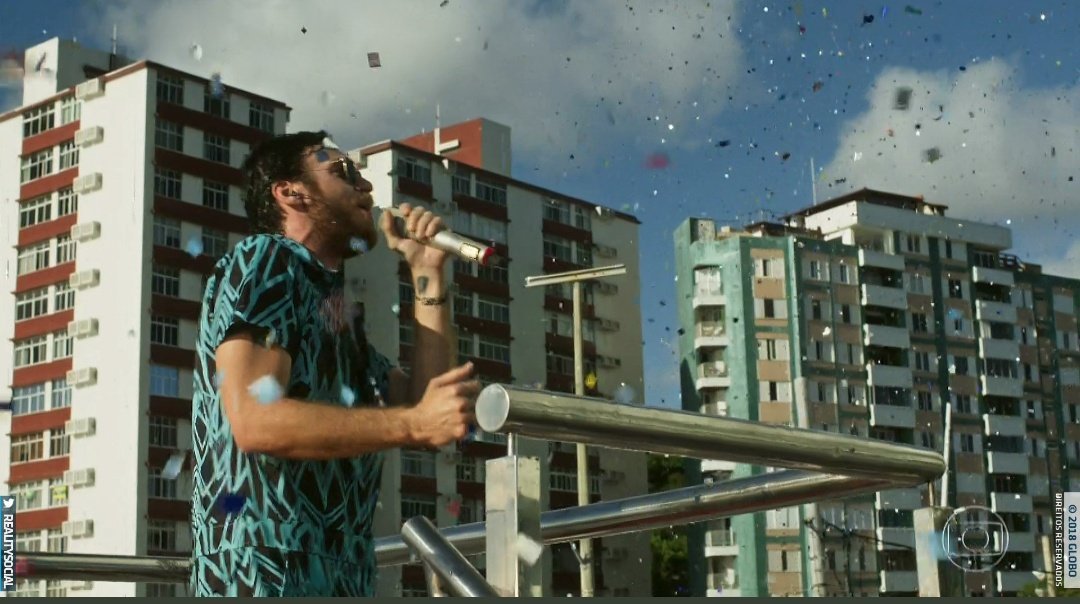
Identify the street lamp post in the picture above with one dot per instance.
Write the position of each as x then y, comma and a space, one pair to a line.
576, 277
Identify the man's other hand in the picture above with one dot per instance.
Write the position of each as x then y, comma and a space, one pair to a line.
445, 412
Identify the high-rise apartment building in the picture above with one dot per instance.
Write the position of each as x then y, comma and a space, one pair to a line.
865, 315
514, 335
120, 186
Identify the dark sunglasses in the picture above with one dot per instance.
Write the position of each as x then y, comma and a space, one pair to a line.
344, 168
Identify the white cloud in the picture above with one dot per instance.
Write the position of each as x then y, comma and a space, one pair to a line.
567, 77
1006, 152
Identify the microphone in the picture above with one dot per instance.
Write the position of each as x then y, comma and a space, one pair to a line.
449, 241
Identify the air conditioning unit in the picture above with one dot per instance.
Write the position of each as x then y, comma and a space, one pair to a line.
89, 136
82, 377
609, 325
80, 585
79, 478
84, 279
609, 362
83, 329
87, 183
86, 231
84, 426
451, 457
614, 476
90, 89
77, 529
605, 251
608, 289
615, 554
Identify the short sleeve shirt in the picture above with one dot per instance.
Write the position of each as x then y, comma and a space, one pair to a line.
272, 287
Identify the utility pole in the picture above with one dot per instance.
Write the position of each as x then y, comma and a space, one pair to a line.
576, 277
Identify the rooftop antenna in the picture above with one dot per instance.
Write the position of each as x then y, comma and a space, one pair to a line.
813, 181
114, 38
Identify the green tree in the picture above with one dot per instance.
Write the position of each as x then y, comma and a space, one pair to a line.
1038, 589
670, 566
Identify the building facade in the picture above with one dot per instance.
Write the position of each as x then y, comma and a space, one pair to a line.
513, 334
874, 314
121, 187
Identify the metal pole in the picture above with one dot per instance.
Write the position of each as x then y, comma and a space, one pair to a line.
946, 448
817, 548
455, 575
582, 453
559, 416
512, 495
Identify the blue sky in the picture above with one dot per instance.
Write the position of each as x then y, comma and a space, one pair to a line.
593, 89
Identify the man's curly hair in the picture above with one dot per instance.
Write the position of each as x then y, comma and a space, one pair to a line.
274, 159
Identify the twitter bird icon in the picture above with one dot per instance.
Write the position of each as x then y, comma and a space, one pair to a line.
9, 502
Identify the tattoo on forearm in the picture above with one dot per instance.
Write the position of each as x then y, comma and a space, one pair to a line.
421, 285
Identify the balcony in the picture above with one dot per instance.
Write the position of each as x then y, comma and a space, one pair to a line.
720, 542
998, 462
1013, 580
898, 580
712, 374
893, 416
900, 499
1021, 542
717, 465
994, 348
879, 295
710, 334
889, 376
1019, 503
1005, 425
899, 538
1001, 386
708, 297
995, 311
880, 260
883, 335
993, 276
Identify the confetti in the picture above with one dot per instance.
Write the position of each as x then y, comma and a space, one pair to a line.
590, 381
196, 52
867, 19
395, 309
194, 247
358, 245
348, 396
528, 550
825, 332
624, 394
266, 390
218, 376
454, 508
902, 100
818, 85
373, 59
723, 143
911, 10
931, 155
303, 30
657, 161
271, 338
172, 467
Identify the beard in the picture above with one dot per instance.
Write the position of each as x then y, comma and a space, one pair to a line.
339, 223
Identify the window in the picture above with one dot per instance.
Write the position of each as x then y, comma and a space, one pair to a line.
465, 347
29, 541
164, 381
783, 560
914, 244
63, 345
32, 304
472, 510
413, 505
963, 404
261, 117
165, 330
159, 487
406, 333
61, 394
815, 309
166, 231
59, 442
37, 165
493, 309
69, 155
65, 249
960, 366
27, 399
28, 495
70, 110
411, 169
460, 184
494, 349
919, 323
956, 288
494, 273
216, 148
845, 313
64, 297
481, 227
170, 89
927, 440
774, 391
168, 590
31, 351
557, 210
215, 243
215, 195
217, 105
770, 308
967, 442
27, 447
35, 211
57, 541
165, 281
38, 120
163, 432
67, 202
844, 277
167, 183
169, 135
925, 400
918, 283
558, 248
418, 463
34, 258
922, 361
161, 535
1000, 368
491, 192
815, 269
767, 349
471, 469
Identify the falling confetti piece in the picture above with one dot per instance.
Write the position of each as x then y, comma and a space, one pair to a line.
266, 390
454, 508
217, 89
196, 52
373, 59
233, 503
723, 143
303, 30
395, 309
172, 467
348, 396
218, 376
271, 338
911, 10
826, 331
590, 381
867, 19
818, 85
624, 394
657, 161
358, 245
194, 247
444, 3
902, 99
931, 155
528, 550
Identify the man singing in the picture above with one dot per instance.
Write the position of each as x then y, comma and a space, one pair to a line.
292, 407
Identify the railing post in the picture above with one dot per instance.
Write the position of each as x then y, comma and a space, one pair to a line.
446, 571
937, 576
513, 514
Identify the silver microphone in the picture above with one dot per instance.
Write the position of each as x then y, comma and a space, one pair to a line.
449, 241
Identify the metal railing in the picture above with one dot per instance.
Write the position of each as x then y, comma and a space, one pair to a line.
823, 466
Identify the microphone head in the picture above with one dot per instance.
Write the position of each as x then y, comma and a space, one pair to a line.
485, 256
